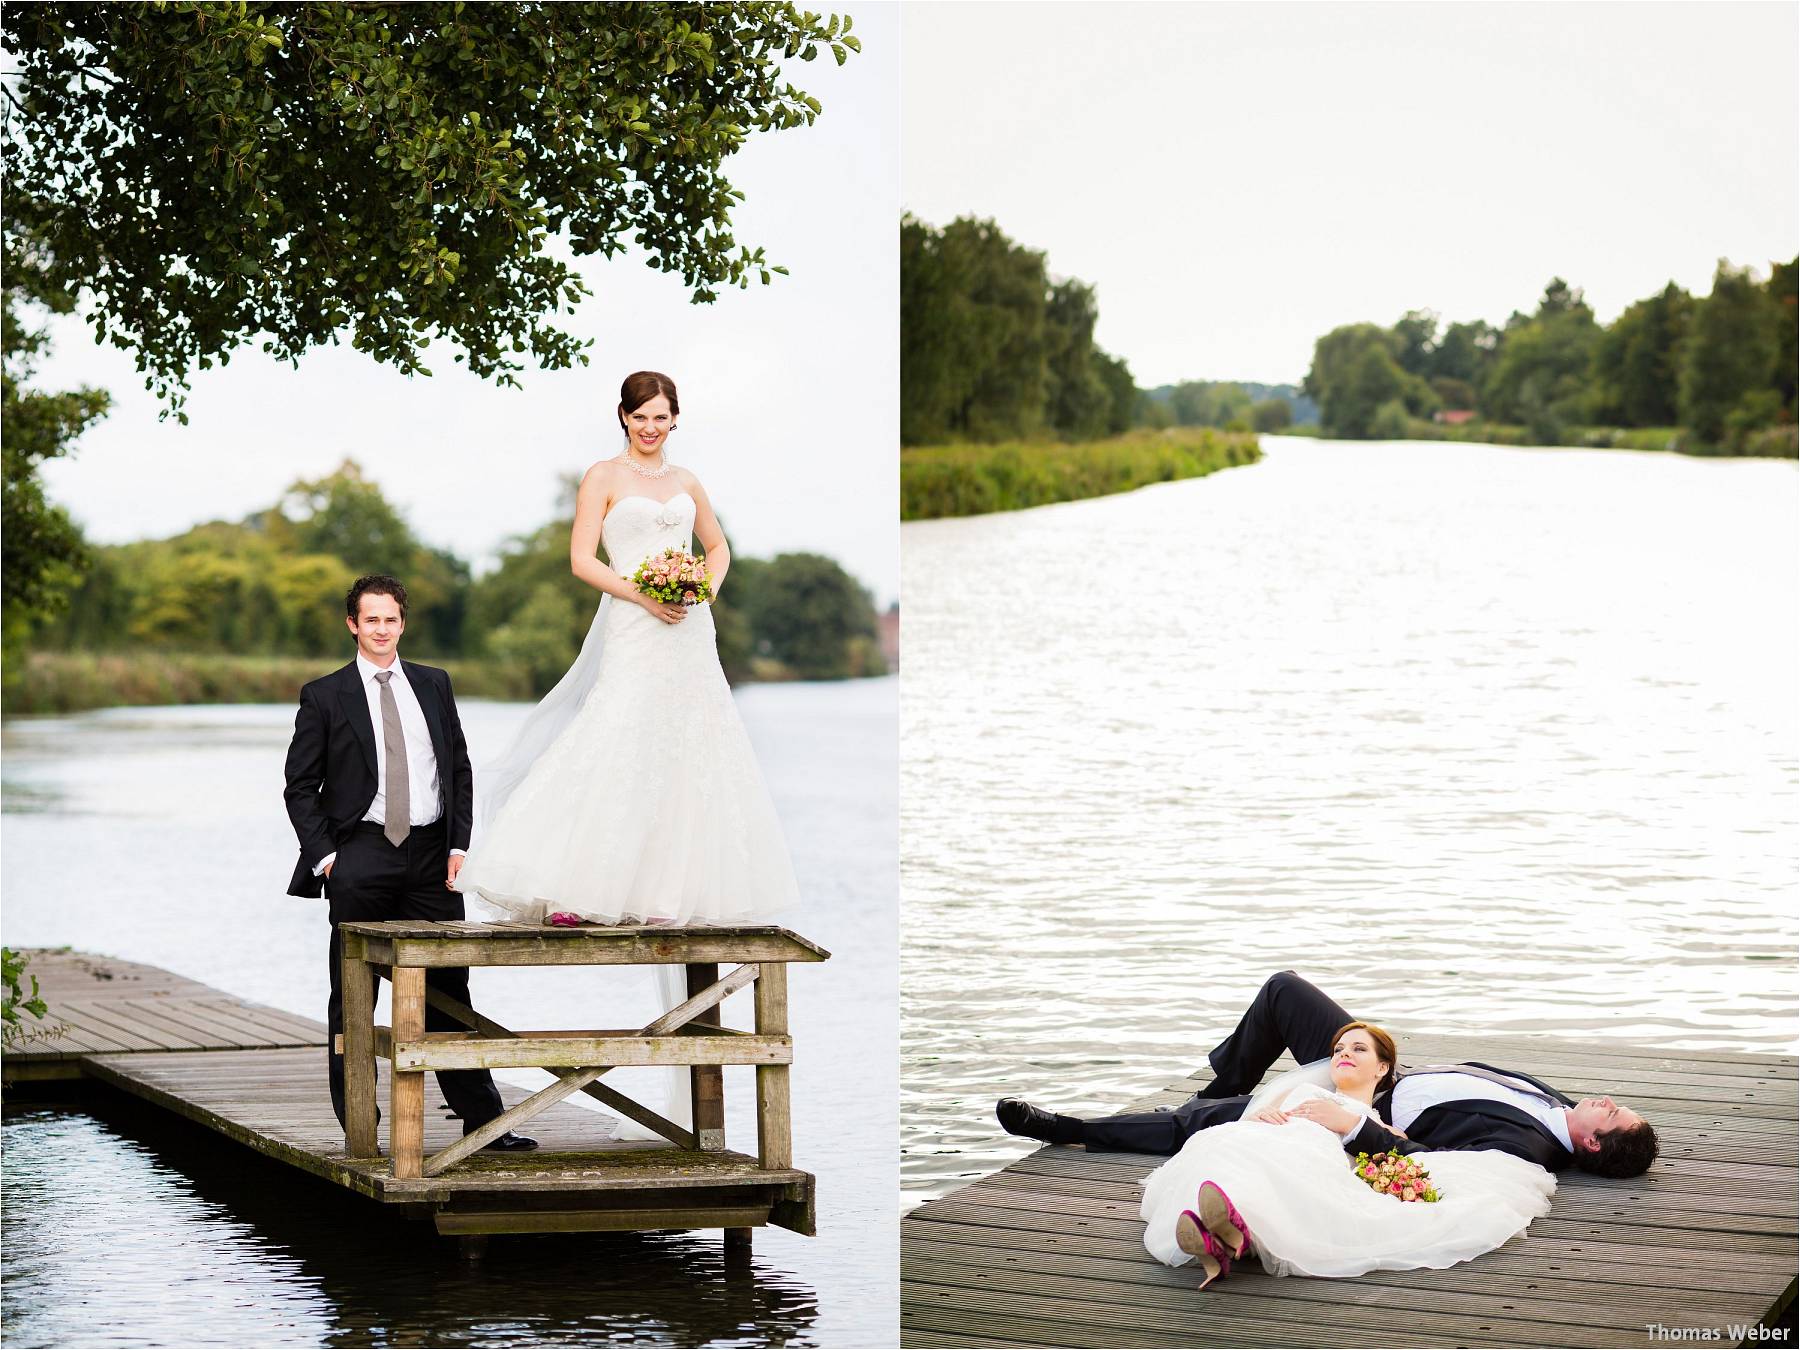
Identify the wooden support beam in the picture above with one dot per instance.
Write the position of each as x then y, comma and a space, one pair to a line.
600, 1220
678, 1016
580, 1052
406, 1089
706, 1083
357, 984
774, 1114
600, 1092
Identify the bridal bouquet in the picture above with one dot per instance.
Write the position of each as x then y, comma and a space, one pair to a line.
1397, 1175
675, 577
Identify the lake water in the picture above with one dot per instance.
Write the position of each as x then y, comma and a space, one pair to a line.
1479, 739
158, 835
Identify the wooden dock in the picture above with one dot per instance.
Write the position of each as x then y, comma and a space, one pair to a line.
1049, 1251
257, 1075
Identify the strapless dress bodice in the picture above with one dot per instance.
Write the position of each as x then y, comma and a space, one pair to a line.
641, 527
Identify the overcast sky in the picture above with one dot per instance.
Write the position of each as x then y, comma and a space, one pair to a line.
789, 392
1238, 179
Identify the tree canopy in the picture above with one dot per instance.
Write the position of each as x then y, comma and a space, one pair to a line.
205, 173
991, 348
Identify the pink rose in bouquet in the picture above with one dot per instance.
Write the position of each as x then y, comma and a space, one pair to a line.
1397, 1175
674, 576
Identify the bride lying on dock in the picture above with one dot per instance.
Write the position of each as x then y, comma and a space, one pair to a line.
1276, 1185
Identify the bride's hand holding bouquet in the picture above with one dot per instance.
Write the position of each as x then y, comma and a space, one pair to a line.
671, 581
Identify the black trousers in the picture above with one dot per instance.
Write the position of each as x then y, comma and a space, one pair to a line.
1286, 1014
373, 880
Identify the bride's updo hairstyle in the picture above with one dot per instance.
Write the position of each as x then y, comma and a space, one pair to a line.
642, 386
1384, 1051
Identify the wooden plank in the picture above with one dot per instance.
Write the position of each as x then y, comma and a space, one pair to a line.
672, 935
406, 1091
706, 1084
503, 950
576, 1052
357, 987
598, 1220
774, 1117
208, 1029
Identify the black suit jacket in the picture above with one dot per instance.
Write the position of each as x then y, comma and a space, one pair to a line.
1471, 1124
331, 764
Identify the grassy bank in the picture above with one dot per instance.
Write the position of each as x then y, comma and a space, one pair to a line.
969, 480
1769, 443
62, 682
66, 682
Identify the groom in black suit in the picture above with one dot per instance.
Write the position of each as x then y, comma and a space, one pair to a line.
1439, 1106
381, 795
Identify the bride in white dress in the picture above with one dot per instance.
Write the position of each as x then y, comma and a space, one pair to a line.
632, 794
1277, 1184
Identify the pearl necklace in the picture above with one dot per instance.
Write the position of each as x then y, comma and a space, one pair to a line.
629, 460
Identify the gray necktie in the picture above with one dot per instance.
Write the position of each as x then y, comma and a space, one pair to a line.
397, 822
1476, 1071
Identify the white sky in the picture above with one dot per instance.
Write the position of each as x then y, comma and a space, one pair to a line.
789, 392
1238, 179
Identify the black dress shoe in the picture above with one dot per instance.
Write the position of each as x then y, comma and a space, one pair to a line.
1028, 1121
510, 1143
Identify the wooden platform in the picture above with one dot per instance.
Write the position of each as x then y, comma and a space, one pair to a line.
1049, 1251
257, 1075
100, 1004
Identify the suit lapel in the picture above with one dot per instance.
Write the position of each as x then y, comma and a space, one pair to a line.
355, 702
426, 692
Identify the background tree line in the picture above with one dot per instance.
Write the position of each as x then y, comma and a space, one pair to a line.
992, 349
1716, 372
274, 583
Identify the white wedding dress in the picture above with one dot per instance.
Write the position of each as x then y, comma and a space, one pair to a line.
632, 795
1309, 1215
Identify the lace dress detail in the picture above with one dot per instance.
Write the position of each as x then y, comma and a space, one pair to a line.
1310, 1216
649, 806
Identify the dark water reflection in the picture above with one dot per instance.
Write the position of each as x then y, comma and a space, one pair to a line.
174, 1240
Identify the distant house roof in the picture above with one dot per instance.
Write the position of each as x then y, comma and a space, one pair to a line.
1453, 416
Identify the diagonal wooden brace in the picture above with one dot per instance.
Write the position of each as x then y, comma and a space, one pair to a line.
600, 1092
577, 1079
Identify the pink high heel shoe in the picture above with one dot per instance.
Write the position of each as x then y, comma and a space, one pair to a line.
1220, 1218
1206, 1249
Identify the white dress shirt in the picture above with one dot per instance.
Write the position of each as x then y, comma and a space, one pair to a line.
421, 759
1417, 1093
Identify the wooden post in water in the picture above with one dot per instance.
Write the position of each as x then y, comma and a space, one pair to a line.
708, 1080
737, 1247
774, 1120
406, 1129
357, 980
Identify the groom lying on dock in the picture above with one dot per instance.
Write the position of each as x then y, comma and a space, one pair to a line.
1439, 1106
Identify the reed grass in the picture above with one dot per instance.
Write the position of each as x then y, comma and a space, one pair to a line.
64, 682
969, 480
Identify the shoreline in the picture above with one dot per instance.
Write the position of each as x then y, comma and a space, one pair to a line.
55, 683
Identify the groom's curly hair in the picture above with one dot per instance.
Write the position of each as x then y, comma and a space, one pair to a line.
374, 584
1622, 1153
